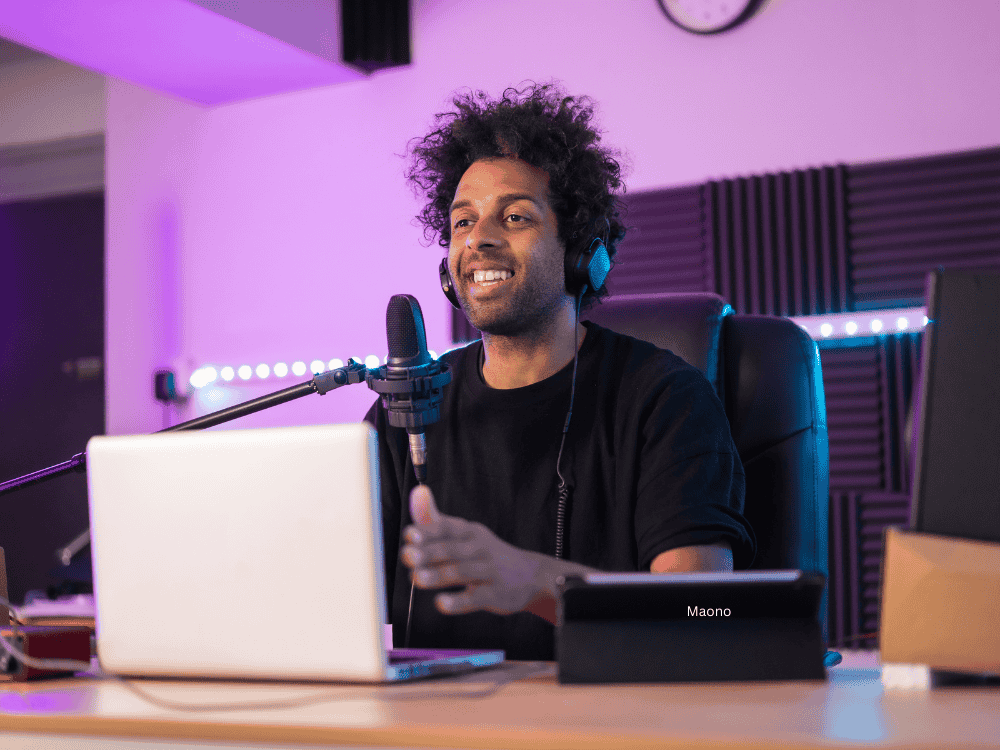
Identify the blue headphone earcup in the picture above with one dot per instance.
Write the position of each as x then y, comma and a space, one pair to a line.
588, 267
600, 264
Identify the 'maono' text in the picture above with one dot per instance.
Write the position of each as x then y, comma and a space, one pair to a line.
709, 612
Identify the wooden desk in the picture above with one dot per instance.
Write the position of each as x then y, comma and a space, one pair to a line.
533, 711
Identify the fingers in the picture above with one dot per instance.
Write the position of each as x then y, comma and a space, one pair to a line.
472, 599
422, 508
461, 573
447, 528
430, 524
432, 553
444, 552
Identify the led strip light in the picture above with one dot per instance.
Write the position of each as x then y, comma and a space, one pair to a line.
863, 324
209, 374
830, 327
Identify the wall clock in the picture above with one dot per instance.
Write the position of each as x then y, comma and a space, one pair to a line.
709, 16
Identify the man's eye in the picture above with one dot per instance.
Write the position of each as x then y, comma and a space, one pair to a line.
516, 218
461, 223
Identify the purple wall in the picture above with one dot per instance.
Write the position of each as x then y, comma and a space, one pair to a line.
276, 229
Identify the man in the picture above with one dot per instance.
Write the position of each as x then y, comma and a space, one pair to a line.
645, 477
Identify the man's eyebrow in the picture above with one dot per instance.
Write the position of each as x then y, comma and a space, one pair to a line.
504, 199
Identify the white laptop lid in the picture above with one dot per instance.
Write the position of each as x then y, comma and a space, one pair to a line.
243, 553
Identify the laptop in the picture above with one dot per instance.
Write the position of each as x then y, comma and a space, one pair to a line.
248, 554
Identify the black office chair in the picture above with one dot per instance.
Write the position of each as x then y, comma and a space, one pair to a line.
767, 372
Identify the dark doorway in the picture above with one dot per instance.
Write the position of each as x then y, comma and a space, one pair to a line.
51, 373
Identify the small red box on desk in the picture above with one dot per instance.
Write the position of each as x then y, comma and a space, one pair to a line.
43, 642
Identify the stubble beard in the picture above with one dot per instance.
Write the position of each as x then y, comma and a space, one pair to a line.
527, 311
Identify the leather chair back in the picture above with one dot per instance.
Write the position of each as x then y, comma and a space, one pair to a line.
766, 371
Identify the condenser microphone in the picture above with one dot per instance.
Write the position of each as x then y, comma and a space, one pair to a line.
411, 383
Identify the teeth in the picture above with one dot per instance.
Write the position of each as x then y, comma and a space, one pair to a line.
482, 276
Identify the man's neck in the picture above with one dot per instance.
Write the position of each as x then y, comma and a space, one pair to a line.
517, 361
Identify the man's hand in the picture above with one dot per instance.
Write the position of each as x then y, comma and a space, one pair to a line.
444, 551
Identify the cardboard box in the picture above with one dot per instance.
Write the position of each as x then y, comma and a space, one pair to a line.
940, 602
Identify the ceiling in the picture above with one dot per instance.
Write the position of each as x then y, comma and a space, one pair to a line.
206, 51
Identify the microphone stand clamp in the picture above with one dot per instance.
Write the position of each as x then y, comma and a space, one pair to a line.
353, 372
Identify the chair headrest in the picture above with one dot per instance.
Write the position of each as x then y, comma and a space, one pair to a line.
689, 324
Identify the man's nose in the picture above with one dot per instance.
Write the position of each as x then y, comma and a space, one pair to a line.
484, 233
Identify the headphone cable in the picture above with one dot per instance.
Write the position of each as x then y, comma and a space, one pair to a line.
563, 490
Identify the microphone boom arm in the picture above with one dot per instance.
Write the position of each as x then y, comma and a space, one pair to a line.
324, 382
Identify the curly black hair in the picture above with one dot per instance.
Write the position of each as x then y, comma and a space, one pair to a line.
538, 124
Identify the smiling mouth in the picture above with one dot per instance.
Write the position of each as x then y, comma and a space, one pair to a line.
490, 278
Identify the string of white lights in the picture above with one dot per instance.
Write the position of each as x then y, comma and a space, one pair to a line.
866, 323
828, 327
209, 374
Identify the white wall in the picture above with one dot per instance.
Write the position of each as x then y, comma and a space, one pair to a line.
148, 169
278, 228
43, 99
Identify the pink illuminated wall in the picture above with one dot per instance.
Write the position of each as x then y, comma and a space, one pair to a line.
277, 228
183, 48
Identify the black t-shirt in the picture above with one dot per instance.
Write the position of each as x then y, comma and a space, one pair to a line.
649, 462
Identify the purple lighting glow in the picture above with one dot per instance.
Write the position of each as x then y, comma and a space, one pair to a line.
175, 47
294, 221
48, 702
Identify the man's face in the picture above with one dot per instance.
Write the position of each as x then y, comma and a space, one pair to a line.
505, 257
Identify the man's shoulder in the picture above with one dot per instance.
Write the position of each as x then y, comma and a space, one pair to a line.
457, 355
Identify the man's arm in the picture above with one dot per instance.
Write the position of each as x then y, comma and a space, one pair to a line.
443, 551
702, 557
